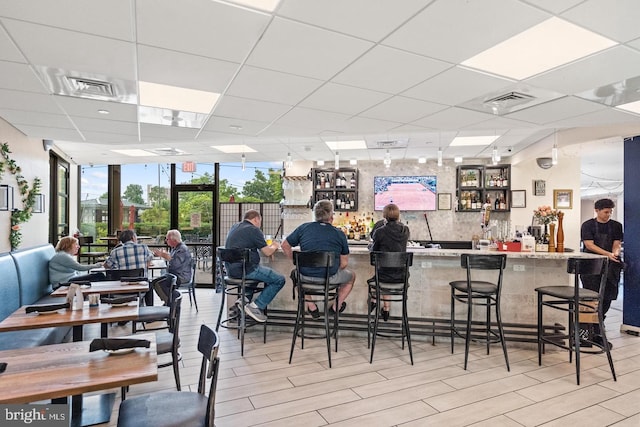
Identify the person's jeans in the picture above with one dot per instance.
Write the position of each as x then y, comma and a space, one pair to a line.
273, 282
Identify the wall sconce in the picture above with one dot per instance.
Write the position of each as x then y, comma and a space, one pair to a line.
544, 162
6, 198
38, 206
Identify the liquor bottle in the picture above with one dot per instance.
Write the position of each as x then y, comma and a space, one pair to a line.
503, 202
352, 182
505, 180
492, 181
496, 204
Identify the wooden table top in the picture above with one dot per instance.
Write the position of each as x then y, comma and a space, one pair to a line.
106, 287
104, 313
60, 370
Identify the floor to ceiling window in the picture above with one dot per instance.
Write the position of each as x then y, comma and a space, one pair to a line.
59, 198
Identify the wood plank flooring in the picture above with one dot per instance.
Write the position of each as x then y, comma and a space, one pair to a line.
263, 389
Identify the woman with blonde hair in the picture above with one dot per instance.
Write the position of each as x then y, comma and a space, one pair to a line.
63, 266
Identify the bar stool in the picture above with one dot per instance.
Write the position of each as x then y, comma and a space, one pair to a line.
399, 262
473, 292
575, 301
317, 291
238, 287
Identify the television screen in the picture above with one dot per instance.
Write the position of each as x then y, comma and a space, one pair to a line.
410, 193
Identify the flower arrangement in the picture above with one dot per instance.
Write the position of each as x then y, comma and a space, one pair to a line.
545, 215
18, 216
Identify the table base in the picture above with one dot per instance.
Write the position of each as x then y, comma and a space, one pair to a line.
91, 410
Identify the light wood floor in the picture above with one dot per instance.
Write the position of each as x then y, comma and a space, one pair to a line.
263, 389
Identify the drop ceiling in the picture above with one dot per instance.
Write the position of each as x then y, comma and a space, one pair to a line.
308, 72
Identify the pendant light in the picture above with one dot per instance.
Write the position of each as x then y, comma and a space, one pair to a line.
337, 161
387, 159
439, 156
243, 160
554, 150
289, 163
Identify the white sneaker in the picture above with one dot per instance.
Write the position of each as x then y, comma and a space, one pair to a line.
247, 301
255, 313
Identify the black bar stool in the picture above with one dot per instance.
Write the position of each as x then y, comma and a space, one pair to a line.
317, 291
575, 301
396, 264
238, 287
480, 293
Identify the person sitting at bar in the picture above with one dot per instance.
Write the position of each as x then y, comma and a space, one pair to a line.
63, 266
247, 235
129, 255
391, 237
317, 236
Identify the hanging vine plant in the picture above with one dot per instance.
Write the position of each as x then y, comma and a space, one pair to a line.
28, 195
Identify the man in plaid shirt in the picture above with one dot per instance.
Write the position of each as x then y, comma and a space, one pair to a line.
130, 255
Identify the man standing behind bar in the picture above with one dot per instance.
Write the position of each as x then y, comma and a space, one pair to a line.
322, 236
247, 235
602, 235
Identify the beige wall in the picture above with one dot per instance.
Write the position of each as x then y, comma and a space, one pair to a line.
34, 161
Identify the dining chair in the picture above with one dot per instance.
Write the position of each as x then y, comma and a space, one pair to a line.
168, 342
477, 291
238, 288
576, 301
317, 291
190, 286
385, 291
163, 287
179, 408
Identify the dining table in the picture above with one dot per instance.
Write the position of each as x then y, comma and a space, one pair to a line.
61, 370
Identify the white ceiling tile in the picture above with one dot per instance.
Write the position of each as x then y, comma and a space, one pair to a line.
19, 77
111, 138
305, 50
112, 19
606, 117
113, 126
28, 101
312, 119
596, 15
455, 86
352, 99
389, 70
8, 50
223, 124
273, 86
401, 109
364, 125
82, 107
610, 66
556, 110
452, 118
361, 18
74, 51
44, 132
201, 27
184, 70
151, 132
455, 30
36, 119
554, 6
250, 109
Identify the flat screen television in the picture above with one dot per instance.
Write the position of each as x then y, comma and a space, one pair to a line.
410, 193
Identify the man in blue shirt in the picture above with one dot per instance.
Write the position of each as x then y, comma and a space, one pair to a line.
178, 258
320, 235
247, 235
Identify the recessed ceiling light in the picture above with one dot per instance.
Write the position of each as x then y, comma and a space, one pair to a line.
473, 140
542, 47
633, 107
422, 160
235, 127
103, 111
240, 148
135, 153
176, 98
347, 145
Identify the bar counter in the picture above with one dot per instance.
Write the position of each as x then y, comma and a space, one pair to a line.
429, 293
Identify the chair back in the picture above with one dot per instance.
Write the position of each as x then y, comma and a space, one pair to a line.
232, 256
174, 315
396, 262
208, 344
494, 262
323, 260
164, 286
85, 240
596, 266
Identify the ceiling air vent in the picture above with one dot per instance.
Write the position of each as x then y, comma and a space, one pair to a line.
168, 151
88, 87
388, 144
510, 98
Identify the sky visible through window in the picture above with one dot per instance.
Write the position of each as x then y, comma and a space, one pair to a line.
94, 178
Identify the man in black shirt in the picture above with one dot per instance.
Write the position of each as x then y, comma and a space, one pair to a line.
602, 235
